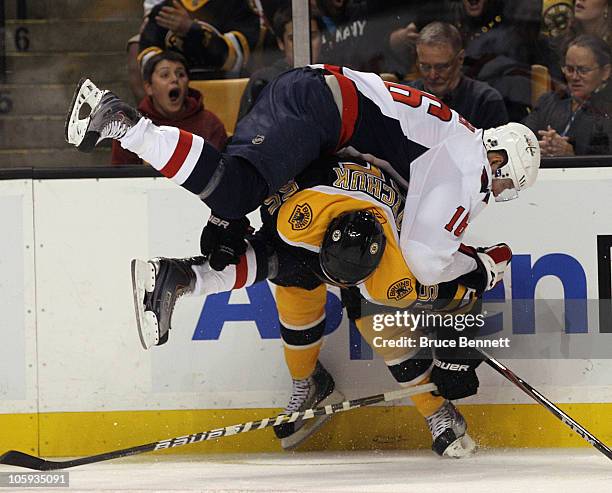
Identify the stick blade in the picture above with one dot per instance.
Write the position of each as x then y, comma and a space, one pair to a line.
21, 459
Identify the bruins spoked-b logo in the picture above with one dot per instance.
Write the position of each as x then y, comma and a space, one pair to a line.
301, 217
556, 15
400, 289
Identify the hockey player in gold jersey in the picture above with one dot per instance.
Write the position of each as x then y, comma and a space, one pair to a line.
337, 223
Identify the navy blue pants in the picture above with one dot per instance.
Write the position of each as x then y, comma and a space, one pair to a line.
294, 121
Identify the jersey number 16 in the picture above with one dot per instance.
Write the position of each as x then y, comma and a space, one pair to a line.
414, 98
458, 231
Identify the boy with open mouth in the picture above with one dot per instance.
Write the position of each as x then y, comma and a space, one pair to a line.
170, 101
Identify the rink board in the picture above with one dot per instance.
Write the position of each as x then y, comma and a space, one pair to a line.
74, 379
385, 428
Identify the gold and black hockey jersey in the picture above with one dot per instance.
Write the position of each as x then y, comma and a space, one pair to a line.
220, 40
299, 213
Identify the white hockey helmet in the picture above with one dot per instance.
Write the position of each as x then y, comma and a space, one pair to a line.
523, 150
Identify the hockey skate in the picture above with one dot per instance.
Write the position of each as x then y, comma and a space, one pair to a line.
315, 391
157, 284
449, 432
95, 115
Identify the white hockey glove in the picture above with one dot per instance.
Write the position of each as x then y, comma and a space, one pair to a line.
495, 260
491, 263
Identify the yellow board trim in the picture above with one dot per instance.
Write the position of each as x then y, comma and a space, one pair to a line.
21, 430
491, 425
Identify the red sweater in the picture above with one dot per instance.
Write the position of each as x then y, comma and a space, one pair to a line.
194, 119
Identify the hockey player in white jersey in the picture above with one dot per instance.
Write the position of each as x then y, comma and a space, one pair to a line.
313, 111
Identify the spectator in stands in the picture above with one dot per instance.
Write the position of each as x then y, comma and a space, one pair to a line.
266, 52
593, 17
408, 19
502, 40
589, 17
283, 29
215, 36
170, 101
440, 57
133, 48
578, 121
351, 38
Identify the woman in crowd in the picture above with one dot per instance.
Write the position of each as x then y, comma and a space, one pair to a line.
579, 120
592, 17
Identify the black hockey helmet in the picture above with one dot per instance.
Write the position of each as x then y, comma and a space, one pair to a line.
352, 248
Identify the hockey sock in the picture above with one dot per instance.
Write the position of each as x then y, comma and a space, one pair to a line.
181, 156
251, 268
301, 362
302, 320
413, 369
427, 403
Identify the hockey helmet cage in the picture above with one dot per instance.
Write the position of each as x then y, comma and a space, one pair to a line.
352, 248
523, 156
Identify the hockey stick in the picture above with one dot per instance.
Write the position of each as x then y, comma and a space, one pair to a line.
558, 413
21, 459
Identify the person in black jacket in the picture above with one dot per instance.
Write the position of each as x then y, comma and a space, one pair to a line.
215, 36
440, 57
578, 121
502, 40
589, 17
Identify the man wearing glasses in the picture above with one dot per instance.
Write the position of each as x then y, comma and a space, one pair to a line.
440, 59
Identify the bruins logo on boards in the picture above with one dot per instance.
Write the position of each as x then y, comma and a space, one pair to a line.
301, 217
400, 289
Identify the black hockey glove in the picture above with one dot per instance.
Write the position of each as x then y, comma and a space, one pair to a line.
223, 240
455, 373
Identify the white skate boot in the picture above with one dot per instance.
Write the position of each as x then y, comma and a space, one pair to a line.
95, 115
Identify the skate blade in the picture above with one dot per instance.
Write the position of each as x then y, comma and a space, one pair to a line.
143, 281
311, 425
75, 129
461, 448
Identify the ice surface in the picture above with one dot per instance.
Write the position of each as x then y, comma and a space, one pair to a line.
490, 471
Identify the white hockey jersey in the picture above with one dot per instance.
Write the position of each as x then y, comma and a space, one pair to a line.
437, 153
